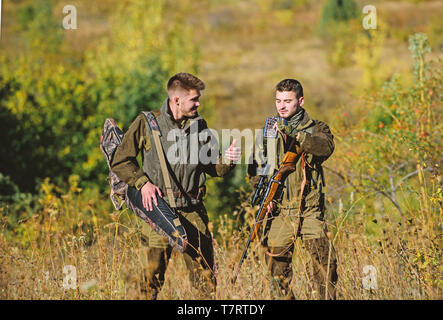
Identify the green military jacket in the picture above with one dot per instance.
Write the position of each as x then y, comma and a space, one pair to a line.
186, 171
304, 187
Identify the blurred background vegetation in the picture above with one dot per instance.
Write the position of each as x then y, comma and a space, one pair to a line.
380, 91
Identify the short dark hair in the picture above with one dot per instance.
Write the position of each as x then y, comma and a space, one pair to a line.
290, 85
185, 81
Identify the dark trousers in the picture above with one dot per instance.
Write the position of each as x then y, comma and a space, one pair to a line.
199, 255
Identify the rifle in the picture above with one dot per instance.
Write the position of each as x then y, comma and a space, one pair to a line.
271, 191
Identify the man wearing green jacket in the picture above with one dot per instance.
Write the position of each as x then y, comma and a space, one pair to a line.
178, 121
301, 212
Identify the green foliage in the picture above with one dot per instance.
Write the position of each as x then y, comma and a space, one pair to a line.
42, 31
399, 137
367, 50
340, 28
54, 112
225, 195
46, 134
419, 46
335, 12
15, 206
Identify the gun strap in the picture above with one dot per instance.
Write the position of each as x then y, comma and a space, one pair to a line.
155, 130
302, 191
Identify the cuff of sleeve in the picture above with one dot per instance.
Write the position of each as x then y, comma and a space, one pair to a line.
223, 169
140, 182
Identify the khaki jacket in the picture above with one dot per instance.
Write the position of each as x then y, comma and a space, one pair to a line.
304, 187
186, 170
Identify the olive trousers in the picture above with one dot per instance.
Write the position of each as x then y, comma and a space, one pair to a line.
285, 226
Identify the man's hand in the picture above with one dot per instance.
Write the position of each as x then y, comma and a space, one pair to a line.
270, 207
233, 153
148, 195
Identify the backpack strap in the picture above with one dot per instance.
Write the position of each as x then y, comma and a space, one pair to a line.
155, 130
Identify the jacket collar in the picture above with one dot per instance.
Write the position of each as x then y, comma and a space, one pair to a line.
165, 112
306, 121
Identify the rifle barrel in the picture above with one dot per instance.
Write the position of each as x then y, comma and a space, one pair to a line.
242, 259
251, 237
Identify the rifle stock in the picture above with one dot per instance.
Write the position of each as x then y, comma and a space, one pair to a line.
288, 166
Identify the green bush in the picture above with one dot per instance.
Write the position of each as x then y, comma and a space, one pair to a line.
337, 11
54, 111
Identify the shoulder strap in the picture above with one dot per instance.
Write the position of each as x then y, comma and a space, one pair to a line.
155, 130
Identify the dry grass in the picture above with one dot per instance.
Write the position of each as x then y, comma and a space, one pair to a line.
405, 252
242, 50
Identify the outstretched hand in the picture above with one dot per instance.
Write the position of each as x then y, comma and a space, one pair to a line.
233, 153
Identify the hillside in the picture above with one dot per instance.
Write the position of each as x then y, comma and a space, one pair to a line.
379, 90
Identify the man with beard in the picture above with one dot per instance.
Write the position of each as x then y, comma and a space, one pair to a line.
186, 188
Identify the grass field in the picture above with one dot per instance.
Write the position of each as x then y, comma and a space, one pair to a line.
384, 189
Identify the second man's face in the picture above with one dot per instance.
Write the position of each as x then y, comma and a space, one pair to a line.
287, 103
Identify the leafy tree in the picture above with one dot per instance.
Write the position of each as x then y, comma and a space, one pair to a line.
43, 33
55, 110
399, 138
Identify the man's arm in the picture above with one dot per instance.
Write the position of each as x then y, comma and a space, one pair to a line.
320, 143
221, 168
124, 163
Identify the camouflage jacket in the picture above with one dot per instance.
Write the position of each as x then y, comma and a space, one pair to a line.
304, 187
187, 172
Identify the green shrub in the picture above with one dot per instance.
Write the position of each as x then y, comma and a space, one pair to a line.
335, 12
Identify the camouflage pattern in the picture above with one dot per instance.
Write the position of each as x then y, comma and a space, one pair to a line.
162, 219
110, 139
